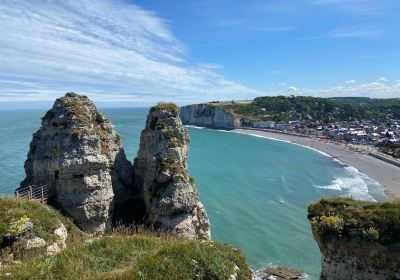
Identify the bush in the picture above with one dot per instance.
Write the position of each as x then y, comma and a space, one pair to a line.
171, 107
378, 221
371, 234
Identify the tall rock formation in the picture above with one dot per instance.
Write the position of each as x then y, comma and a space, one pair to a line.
208, 115
77, 156
170, 196
358, 240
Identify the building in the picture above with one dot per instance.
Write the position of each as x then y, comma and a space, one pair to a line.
266, 124
284, 126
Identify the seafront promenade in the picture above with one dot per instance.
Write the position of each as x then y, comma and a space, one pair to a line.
365, 159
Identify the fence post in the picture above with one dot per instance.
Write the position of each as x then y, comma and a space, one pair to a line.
16, 193
42, 195
30, 193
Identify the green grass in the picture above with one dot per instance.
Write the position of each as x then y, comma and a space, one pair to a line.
171, 107
135, 257
45, 220
368, 220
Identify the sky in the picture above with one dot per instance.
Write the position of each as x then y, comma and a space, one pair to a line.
137, 53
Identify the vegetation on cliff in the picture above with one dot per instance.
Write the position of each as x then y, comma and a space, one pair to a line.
22, 220
171, 107
305, 108
347, 218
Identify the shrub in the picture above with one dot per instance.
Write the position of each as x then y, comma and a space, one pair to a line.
18, 227
170, 134
371, 234
171, 107
330, 224
378, 221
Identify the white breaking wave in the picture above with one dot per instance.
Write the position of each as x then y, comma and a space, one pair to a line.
356, 185
193, 126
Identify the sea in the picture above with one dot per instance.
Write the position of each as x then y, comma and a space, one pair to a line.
255, 190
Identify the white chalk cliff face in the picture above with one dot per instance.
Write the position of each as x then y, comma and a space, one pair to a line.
209, 116
171, 198
77, 156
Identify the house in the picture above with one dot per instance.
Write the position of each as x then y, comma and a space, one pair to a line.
266, 124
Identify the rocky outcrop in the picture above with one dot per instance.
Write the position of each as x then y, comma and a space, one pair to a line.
355, 259
208, 115
170, 196
77, 156
358, 240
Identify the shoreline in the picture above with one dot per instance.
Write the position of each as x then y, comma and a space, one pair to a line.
386, 174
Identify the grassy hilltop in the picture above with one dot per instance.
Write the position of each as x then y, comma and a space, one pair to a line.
308, 109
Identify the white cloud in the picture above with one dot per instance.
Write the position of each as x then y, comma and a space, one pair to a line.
98, 46
292, 89
378, 89
350, 82
357, 31
281, 84
382, 80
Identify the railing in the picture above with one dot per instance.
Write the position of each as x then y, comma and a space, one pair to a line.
33, 193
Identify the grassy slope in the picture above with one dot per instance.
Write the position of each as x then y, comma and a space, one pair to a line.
121, 256
45, 219
135, 257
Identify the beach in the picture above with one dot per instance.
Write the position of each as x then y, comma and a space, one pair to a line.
386, 174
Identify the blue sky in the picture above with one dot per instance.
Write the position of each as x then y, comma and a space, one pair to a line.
135, 53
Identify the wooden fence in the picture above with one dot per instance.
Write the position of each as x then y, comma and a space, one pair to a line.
33, 193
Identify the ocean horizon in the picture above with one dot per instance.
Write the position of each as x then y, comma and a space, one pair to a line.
255, 190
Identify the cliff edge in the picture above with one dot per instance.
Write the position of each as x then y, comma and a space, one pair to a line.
358, 240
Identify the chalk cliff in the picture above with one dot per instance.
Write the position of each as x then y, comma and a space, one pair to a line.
208, 115
358, 240
171, 199
77, 156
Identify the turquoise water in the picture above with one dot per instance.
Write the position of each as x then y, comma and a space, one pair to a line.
255, 190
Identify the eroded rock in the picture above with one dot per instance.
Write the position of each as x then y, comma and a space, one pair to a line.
77, 157
170, 196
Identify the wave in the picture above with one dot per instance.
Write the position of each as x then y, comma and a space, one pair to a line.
196, 127
356, 185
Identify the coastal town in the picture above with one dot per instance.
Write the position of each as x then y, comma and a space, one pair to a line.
379, 138
365, 132
372, 124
